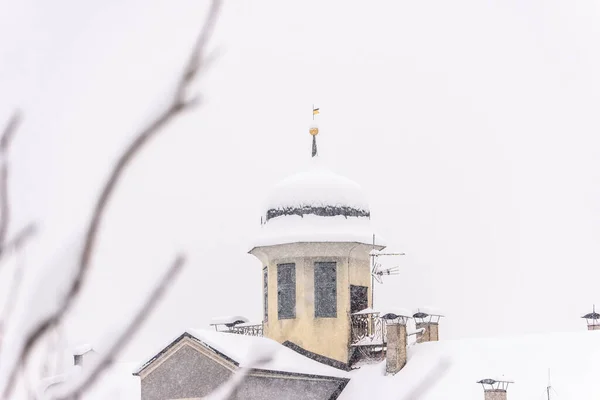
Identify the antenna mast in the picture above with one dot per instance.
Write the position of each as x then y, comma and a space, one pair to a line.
373, 275
377, 271
549, 386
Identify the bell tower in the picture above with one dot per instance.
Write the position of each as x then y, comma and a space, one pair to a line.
314, 245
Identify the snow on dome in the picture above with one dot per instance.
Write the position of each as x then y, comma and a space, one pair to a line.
317, 186
316, 205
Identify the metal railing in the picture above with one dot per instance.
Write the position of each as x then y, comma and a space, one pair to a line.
368, 329
247, 329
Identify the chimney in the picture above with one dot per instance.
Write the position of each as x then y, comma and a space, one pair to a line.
427, 320
593, 320
80, 352
494, 389
395, 330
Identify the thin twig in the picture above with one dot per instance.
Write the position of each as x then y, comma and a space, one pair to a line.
177, 104
5, 141
229, 387
15, 245
108, 358
9, 130
20, 239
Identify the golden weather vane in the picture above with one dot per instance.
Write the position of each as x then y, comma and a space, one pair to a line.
314, 131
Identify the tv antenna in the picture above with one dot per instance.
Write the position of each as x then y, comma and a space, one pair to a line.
377, 271
549, 388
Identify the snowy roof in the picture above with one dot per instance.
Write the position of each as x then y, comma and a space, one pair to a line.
247, 324
229, 319
367, 310
317, 185
387, 252
244, 350
491, 381
428, 310
592, 315
116, 383
402, 312
82, 349
571, 358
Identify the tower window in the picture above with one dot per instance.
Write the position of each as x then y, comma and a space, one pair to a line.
325, 290
286, 291
265, 294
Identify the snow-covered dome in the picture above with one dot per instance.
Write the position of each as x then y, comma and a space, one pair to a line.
316, 205
317, 191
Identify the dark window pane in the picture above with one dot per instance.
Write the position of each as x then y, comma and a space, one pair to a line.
286, 291
325, 290
358, 298
265, 294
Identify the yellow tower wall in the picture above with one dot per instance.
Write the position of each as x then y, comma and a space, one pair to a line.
329, 337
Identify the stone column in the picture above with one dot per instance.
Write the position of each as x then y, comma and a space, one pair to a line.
395, 356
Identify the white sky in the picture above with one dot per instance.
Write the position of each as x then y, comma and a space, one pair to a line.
472, 126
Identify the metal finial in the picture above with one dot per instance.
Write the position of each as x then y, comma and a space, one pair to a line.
314, 131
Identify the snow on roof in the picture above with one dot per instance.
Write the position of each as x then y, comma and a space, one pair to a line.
244, 349
571, 358
82, 349
116, 383
387, 252
398, 311
313, 228
428, 310
317, 186
228, 319
367, 310
411, 332
495, 379
246, 324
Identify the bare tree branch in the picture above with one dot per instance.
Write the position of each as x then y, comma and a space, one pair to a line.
15, 245
5, 141
229, 387
17, 242
9, 130
178, 103
108, 358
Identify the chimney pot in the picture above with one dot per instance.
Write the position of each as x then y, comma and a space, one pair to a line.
80, 352
395, 355
494, 389
593, 320
428, 320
